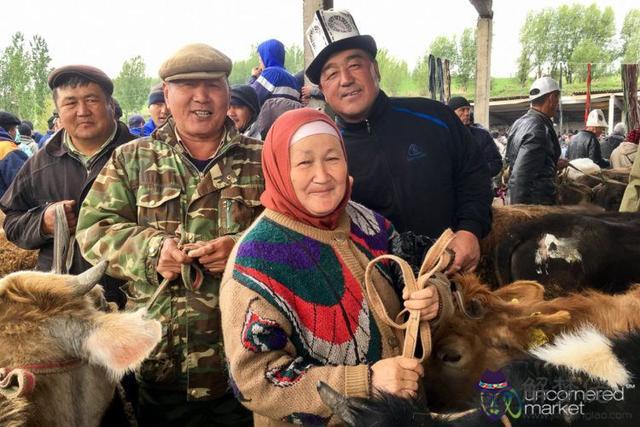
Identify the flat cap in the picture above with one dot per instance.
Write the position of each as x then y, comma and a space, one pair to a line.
195, 61
87, 71
8, 120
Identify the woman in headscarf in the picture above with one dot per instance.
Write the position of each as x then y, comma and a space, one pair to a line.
293, 305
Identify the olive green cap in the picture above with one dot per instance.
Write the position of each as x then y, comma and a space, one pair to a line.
195, 61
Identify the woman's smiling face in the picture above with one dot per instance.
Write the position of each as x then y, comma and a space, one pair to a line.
318, 173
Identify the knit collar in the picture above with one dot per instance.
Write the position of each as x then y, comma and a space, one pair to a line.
380, 106
341, 232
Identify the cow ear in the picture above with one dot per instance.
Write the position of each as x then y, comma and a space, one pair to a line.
522, 291
545, 321
121, 341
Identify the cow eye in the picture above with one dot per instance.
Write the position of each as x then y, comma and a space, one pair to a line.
476, 308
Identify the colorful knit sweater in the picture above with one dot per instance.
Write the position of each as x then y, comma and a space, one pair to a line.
294, 312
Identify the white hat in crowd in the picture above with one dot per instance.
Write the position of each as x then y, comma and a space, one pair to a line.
596, 119
543, 86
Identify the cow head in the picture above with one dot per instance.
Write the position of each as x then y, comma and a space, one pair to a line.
501, 327
46, 317
608, 195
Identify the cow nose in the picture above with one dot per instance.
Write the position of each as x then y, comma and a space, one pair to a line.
450, 356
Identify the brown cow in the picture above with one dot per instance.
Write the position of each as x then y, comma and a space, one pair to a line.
508, 322
61, 352
605, 190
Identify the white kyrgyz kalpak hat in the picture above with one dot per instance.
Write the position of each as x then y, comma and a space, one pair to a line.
332, 31
596, 119
543, 86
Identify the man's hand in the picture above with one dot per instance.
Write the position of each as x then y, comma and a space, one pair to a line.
467, 250
171, 259
49, 217
426, 300
256, 71
562, 164
213, 254
397, 375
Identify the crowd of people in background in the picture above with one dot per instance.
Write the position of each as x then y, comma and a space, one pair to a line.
175, 200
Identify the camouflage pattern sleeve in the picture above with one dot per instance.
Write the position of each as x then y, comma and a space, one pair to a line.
108, 229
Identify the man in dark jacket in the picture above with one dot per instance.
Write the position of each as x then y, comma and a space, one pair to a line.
412, 160
612, 141
533, 148
585, 144
462, 108
64, 170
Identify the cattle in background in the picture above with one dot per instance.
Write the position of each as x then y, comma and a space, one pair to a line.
504, 219
13, 258
504, 324
585, 361
572, 251
61, 353
605, 190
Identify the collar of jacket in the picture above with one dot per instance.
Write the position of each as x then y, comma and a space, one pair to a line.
167, 133
380, 106
546, 118
56, 147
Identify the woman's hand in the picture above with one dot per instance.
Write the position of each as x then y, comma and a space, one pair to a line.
397, 375
426, 300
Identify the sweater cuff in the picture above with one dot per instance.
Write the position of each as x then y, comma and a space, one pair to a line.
472, 227
356, 381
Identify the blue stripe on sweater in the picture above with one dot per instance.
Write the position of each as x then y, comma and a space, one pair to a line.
422, 116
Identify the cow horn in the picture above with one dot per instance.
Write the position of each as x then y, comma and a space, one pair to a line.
338, 403
86, 281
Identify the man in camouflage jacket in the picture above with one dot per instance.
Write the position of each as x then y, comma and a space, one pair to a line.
169, 206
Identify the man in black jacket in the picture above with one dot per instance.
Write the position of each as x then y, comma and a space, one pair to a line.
64, 170
462, 108
533, 148
412, 160
585, 144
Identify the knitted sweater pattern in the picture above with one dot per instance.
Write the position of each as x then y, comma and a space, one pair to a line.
311, 285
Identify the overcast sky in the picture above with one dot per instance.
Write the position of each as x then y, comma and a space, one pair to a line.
106, 33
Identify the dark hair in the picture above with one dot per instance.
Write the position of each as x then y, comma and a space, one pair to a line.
73, 81
117, 109
24, 129
52, 120
28, 123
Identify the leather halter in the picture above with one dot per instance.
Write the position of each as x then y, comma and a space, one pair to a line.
20, 381
436, 261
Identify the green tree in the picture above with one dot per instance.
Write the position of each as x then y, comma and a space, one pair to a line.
131, 87
241, 70
294, 59
588, 51
445, 48
16, 94
39, 70
420, 76
630, 36
550, 36
394, 72
466, 58
524, 68
535, 47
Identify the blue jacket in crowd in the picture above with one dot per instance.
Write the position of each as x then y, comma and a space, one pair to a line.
275, 80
